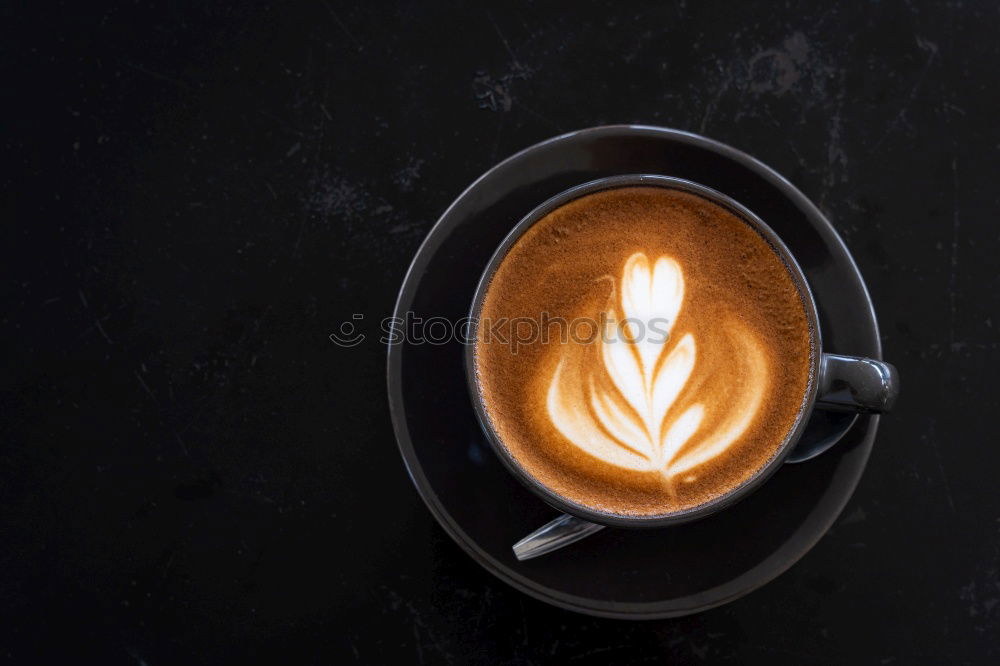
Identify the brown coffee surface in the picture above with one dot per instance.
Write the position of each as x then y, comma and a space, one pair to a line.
629, 421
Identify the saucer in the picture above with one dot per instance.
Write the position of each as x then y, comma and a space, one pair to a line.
631, 574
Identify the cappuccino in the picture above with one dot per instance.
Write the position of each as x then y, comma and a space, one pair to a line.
669, 358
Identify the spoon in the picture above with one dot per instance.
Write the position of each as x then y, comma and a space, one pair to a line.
553, 535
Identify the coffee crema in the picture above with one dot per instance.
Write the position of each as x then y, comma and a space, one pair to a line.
671, 356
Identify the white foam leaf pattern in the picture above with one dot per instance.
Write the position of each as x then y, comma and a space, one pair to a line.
621, 406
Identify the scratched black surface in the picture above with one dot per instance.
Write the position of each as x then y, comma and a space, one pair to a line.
196, 195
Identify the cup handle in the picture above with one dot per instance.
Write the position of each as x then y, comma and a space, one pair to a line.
856, 384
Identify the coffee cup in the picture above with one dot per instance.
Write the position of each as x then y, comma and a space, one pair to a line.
828, 381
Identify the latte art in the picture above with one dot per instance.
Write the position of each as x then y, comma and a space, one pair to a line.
698, 375
619, 403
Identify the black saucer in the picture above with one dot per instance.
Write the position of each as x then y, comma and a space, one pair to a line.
620, 573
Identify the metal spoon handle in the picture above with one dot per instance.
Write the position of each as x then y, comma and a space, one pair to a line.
562, 531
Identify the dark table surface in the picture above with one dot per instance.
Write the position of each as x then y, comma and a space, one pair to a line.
196, 195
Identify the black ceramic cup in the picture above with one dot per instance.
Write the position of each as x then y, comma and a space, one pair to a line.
836, 382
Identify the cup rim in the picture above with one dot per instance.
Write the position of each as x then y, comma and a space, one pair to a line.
719, 502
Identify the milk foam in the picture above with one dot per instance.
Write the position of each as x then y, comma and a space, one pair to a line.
624, 402
631, 422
